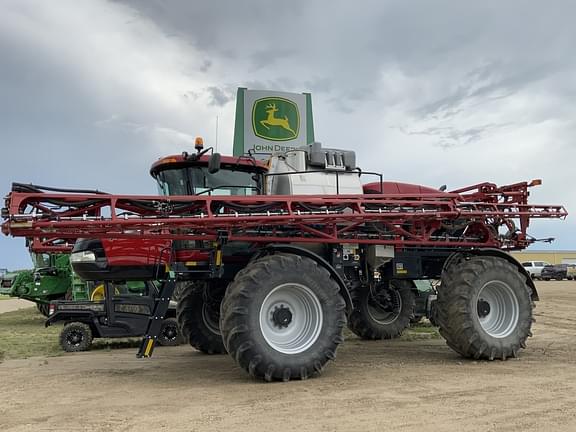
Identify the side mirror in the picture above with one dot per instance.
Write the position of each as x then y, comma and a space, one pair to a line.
442, 188
214, 163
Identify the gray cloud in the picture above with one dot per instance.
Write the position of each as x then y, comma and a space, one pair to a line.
220, 96
448, 137
486, 84
268, 56
206, 65
91, 94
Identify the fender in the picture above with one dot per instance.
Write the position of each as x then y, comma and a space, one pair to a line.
500, 254
296, 250
86, 316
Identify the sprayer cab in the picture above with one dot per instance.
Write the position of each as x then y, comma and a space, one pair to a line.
211, 174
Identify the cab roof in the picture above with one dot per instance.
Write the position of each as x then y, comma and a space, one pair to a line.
243, 163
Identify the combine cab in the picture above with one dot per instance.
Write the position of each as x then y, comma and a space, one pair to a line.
275, 259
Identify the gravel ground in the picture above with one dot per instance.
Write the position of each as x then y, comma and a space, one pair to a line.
414, 385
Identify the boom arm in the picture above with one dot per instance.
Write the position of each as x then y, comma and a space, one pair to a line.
469, 217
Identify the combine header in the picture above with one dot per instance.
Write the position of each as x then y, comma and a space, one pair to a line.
278, 257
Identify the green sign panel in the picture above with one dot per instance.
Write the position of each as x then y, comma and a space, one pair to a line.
269, 121
275, 119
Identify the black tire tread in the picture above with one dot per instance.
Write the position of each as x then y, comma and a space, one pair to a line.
191, 324
364, 327
169, 342
43, 308
237, 335
86, 342
454, 313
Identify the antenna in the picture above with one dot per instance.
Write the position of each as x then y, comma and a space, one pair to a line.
216, 140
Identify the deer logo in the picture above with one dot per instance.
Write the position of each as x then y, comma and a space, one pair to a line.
275, 119
271, 110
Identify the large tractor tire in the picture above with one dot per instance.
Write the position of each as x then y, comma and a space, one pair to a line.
484, 308
433, 315
179, 290
383, 312
282, 318
198, 317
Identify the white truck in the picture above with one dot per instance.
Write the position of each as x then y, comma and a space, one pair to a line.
534, 268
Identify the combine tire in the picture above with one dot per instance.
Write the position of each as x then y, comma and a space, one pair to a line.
383, 314
198, 319
282, 318
179, 291
75, 337
169, 333
43, 308
484, 308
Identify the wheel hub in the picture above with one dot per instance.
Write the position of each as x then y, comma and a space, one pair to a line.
291, 318
74, 338
385, 306
483, 308
281, 316
170, 332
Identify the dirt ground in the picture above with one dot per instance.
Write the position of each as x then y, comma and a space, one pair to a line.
418, 385
9, 305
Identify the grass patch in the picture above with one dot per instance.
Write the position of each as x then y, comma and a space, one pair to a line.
422, 330
5, 297
23, 335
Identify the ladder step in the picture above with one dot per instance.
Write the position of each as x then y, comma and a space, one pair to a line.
156, 319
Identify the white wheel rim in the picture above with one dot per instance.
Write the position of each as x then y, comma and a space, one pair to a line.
291, 318
498, 309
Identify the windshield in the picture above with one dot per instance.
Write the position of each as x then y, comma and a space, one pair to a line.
197, 181
41, 260
173, 182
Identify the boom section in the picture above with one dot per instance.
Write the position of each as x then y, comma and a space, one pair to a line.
483, 215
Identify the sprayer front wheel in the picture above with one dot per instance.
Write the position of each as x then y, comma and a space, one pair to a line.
282, 318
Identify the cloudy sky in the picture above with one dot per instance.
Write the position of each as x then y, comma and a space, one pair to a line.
432, 92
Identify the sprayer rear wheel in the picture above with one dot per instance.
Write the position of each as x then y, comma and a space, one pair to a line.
198, 317
484, 308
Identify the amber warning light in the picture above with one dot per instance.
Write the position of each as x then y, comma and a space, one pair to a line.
198, 143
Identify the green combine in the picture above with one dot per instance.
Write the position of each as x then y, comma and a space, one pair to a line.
51, 278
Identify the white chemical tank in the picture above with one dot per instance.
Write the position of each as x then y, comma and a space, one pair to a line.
313, 170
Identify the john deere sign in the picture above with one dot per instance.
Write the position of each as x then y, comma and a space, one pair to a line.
268, 121
276, 119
